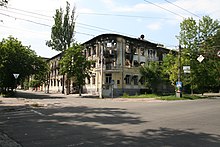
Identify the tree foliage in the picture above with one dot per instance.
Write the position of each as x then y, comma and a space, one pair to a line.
152, 73
74, 64
170, 67
19, 59
197, 38
3, 2
62, 32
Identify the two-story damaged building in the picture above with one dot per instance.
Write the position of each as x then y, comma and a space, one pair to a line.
117, 62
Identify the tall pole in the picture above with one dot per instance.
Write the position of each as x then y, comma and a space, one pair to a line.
179, 83
122, 64
15, 76
179, 64
101, 72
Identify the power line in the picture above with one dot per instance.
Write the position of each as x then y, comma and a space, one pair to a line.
84, 33
182, 8
103, 28
164, 8
101, 14
49, 18
25, 20
129, 16
25, 14
91, 26
41, 23
100, 28
30, 12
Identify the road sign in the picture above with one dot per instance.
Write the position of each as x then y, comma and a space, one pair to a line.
186, 69
16, 75
200, 58
179, 86
218, 53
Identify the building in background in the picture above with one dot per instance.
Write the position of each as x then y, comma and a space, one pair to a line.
117, 61
116, 67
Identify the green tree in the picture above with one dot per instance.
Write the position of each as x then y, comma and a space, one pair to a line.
153, 76
3, 2
170, 67
62, 32
74, 64
16, 58
197, 38
41, 69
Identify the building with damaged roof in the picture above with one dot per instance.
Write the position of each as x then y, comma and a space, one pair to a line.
117, 61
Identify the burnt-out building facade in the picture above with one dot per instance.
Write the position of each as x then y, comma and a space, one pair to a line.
117, 62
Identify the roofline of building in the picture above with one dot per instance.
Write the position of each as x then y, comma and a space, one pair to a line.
55, 56
99, 37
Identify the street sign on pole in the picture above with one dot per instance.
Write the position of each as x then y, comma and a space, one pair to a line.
186, 69
200, 58
218, 53
16, 75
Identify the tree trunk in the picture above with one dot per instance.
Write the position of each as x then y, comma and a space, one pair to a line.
80, 90
63, 86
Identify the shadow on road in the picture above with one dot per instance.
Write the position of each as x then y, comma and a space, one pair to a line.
88, 126
36, 95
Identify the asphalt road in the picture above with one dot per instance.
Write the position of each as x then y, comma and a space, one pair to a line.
40, 120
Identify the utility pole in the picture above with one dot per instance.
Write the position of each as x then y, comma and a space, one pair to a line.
101, 72
179, 84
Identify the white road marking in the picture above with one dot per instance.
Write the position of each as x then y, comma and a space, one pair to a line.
39, 113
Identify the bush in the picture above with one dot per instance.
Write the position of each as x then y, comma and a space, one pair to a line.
35, 83
125, 95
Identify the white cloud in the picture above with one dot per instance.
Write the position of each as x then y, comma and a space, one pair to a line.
27, 32
85, 10
141, 7
108, 2
154, 26
198, 7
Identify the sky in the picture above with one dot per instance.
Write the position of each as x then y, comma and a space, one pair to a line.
30, 21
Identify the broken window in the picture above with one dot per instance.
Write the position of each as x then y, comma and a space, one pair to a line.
142, 51
109, 44
108, 78
127, 49
88, 80
51, 82
58, 82
93, 80
89, 51
127, 79
61, 82
151, 53
93, 65
93, 50
135, 79
135, 51
136, 64
142, 80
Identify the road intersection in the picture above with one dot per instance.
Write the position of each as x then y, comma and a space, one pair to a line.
37, 119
